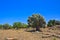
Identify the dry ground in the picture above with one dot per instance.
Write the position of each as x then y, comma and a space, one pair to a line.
21, 34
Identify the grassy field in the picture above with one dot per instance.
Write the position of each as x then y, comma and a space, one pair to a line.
21, 34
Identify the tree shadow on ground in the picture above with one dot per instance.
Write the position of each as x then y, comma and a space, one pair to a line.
32, 31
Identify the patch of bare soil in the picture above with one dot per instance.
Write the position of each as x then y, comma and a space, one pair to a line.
21, 34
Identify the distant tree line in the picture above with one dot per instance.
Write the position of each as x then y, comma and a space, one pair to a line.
35, 21
16, 25
53, 23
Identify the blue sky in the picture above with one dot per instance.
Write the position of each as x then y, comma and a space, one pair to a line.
19, 10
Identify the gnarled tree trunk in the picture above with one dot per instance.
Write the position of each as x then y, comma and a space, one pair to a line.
37, 28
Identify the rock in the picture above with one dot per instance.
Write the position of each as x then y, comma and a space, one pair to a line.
11, 39
37, 31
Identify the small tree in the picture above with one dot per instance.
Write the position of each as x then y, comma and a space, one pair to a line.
17, 25
36, 21
6, 26
53, 23
24, 25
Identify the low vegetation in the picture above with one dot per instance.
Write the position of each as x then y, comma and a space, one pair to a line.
53, 23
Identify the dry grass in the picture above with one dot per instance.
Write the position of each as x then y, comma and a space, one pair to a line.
21, 34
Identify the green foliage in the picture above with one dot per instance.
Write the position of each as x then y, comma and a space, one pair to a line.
1, 26
24, 25
53, 23
6, 26
36, 21
10, 27
17, 25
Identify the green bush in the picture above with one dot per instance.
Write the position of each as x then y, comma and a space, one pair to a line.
17, 25
53, 23
6, 26
1, 26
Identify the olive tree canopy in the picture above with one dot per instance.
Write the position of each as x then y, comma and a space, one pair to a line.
36, 21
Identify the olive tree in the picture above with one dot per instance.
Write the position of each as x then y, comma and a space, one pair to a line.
36, 21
